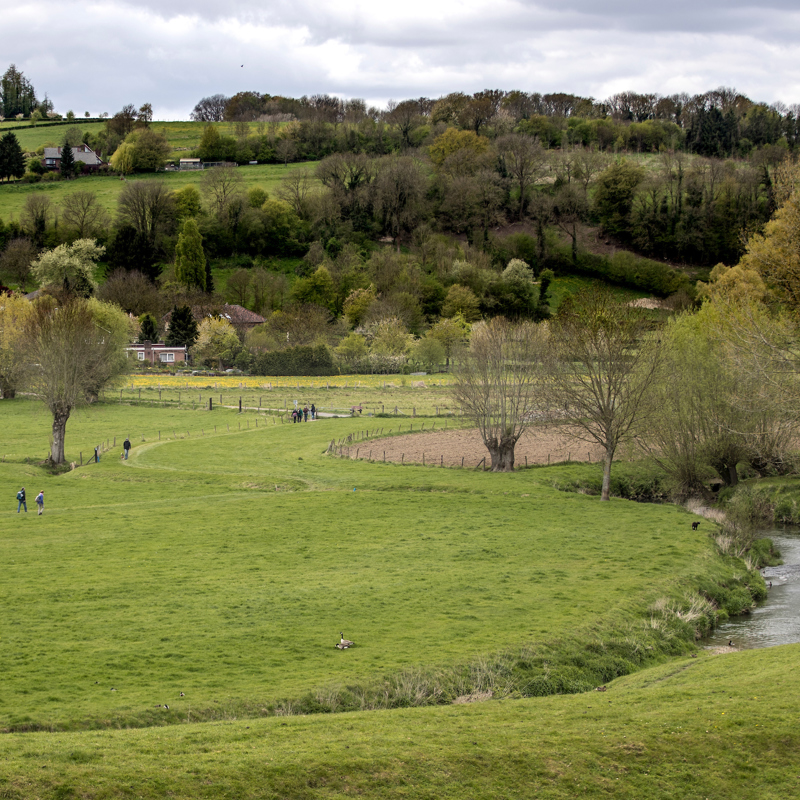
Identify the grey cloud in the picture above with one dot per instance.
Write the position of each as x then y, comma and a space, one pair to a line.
146, 53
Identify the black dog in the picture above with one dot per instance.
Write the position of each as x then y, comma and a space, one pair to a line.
695, 526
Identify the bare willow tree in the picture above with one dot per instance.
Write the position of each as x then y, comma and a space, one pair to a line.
73, 350
497, 385
600, 367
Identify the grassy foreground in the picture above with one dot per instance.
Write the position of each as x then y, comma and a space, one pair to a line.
715, 727
224, 566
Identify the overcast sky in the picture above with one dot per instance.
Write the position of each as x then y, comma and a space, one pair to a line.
99, 56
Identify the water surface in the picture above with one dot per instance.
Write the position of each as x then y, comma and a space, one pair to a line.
777, 619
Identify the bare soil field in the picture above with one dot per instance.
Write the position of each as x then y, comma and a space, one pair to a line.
540, 445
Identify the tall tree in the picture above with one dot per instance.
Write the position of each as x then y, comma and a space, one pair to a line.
12, 161
14, 312
148, 329
17, 95
182, 331
149, 207
190, 260
82, 213
73, 349
497, 385
600, 368
525, 160
67, 165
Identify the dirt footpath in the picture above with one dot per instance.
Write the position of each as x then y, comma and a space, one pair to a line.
540, 445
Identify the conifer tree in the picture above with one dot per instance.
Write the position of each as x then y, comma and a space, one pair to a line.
12, 161
182, 328
67, 160
148, 332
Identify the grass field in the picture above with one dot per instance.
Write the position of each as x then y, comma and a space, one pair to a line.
223, 566
107, 188
716, 727
182, 136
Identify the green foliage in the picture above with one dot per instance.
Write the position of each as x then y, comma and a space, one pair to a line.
70, 267
300, 360
188, 202
148, 330
626, 269
67, 166
190, 260
614, 193
12, 162
182, 329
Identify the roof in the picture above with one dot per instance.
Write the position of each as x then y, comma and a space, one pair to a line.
236, 315
82, 153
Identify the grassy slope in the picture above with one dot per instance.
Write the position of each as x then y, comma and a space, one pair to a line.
715, 727
182, 136
12, 196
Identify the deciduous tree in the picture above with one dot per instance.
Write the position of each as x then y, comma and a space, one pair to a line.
83, 215
70, 268
16, 260
14, 311
497, 384
73, 350
600, 368
190, 259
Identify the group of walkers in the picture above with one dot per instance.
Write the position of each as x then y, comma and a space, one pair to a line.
23, 501
301, 414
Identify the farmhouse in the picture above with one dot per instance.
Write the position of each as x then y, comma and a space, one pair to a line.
241, 318
157, 352
83, 154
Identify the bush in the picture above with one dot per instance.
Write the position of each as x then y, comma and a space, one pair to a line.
300, 360
626, 269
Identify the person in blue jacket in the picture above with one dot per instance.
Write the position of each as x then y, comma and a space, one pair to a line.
22, 502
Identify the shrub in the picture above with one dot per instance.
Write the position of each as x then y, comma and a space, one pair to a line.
300, 360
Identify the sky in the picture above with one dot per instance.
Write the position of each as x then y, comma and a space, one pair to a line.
100, 56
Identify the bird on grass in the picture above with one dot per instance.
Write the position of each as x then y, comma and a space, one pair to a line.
343, 643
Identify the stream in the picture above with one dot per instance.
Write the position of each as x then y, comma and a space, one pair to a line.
776, 620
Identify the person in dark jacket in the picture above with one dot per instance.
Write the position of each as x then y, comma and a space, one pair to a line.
305, 413
126, 446
313, 411
22, 501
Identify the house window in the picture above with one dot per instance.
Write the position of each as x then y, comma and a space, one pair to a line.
140, 355
167, 356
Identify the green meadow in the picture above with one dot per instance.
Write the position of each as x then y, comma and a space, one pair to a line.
182, 136
169, 623
107, 187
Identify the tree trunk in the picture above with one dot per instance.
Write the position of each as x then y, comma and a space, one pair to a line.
7, 390
60, 418
605, 494
502, 453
